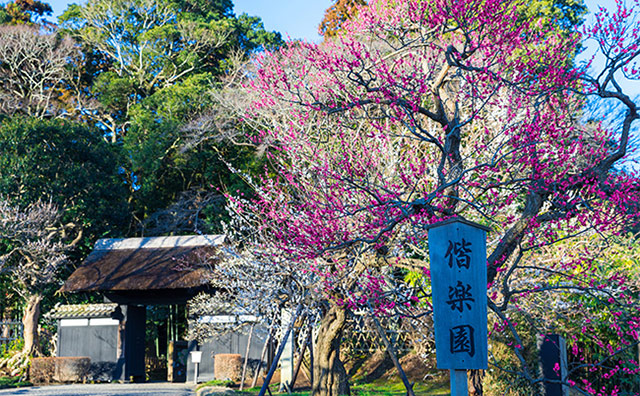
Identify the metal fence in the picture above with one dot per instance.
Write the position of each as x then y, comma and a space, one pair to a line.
10, 330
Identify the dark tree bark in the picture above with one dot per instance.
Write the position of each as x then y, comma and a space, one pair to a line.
474, 382
329, 374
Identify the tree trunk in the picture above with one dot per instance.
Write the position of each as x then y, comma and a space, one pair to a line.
30, 324
474, 382
329, 374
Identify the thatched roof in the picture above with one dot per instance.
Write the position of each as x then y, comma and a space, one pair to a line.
146, 264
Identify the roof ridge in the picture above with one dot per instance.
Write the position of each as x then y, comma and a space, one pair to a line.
159, 242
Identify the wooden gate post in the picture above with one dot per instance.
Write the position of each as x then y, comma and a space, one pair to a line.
458, 263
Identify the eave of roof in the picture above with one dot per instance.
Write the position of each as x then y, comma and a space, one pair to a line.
81, 311
147, 264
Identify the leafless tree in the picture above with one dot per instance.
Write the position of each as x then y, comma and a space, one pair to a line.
183, 216
34, 66
34, 250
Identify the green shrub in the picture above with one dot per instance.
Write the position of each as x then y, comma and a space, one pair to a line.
12, 382
226, 383
7, 350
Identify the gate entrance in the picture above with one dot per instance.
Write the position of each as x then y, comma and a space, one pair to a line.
137, 273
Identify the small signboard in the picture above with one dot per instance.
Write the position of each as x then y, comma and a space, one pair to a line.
458, 255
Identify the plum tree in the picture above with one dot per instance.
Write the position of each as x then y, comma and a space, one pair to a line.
422, 111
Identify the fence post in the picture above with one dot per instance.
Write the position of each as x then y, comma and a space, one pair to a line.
10, 330
553, 364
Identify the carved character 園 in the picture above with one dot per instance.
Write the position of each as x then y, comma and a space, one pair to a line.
461, 340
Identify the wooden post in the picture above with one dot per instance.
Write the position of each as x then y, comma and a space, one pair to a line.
297, 369
394, 358
195, 374
552, 349
458, 379
458, 258
311, 355
264, 351
304, 372
246, 358
286, 360
274, 365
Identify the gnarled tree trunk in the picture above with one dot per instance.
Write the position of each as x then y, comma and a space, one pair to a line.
474, 382
30, 324
329, 374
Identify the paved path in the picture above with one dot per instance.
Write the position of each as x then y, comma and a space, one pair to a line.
154, 389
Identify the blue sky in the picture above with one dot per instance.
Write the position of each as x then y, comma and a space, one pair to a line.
297, 19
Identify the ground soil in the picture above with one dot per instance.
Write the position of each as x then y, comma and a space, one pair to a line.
378, 366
